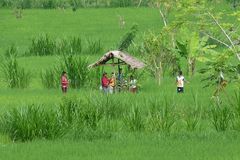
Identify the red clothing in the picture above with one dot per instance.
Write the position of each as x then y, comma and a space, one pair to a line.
64, 81
105, 81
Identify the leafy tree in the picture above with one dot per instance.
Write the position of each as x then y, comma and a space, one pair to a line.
127, 39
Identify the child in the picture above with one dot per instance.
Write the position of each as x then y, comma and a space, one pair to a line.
64, 82
133, 85
112, 83
180, 82
105, 82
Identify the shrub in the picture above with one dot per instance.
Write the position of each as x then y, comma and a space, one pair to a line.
93, 46
15, 76
127, 39
161, 117
76, 68
31, 122
42, 46
134, 120
192, 118
221, 117
71, 46
51, 78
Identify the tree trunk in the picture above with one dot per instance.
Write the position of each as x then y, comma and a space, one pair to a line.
191, 66
139, 4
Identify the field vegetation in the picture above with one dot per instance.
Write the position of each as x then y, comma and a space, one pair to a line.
40, 39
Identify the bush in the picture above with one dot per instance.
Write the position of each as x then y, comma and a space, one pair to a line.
71, 46
31, 122
42, 46
134, 120
15, 76
128, 38
51, 78
161, 117
94, 47
221, 117
76, 68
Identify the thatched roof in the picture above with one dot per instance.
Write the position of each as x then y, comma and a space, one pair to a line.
123, 58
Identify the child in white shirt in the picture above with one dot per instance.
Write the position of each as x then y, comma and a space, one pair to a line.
180, 82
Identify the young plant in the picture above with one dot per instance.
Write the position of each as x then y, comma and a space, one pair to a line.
15, 76
221, 117
134, 120
42, 46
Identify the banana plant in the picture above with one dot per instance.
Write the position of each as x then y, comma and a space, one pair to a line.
193, 47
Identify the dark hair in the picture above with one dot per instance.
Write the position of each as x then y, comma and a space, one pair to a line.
63, 73
180, 72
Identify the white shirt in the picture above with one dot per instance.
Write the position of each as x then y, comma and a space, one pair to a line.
133, 83
180, 81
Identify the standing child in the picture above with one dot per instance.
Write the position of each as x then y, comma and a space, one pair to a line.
133, 85
105, 82
112, 83
180, 82
64, 82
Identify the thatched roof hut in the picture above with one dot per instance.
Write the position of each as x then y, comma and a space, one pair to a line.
118, 58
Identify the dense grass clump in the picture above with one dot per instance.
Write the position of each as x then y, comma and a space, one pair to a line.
101, 116
76, 68
44, 45
30, 122
14, 75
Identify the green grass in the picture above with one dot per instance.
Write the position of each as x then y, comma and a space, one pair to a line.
130, 147
91, 23
103, 24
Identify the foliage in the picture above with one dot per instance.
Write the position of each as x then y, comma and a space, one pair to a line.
76, 68
51, 77
30, 122
14, 75
94, 47
49, 4
159, 55
127, 39
161, 118
42, 46
134, 120
69, 46
221, 117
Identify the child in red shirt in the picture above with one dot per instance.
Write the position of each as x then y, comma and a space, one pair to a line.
64, 82
105, 82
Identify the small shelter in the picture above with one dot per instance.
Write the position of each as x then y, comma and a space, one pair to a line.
118, 58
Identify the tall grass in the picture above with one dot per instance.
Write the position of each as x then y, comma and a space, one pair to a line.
161, 117
76, 68
100, 116
134, 120
42, 46
31, 122
94, 46
221, 117
51, 77
69, 46
15, 76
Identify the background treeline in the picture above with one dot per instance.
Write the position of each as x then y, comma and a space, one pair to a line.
48, 4
74, 4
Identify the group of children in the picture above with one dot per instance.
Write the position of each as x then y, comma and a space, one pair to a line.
109, 85
113, 84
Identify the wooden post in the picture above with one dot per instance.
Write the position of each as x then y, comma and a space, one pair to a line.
119, 67
119, 83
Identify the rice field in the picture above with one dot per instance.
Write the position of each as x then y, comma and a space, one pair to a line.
85, 124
